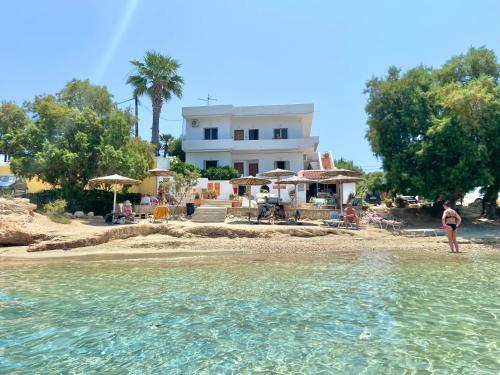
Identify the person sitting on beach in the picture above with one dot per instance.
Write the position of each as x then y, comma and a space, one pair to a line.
350, 215
127, 211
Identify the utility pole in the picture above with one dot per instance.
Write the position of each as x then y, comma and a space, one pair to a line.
207, 99
136, 118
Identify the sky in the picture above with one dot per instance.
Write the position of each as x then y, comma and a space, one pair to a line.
256, 52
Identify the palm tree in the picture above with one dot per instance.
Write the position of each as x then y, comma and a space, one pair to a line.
156, 76
165, 141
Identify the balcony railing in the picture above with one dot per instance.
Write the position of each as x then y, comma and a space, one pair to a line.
249, 145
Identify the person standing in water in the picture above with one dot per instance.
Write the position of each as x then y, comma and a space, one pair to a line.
451, 221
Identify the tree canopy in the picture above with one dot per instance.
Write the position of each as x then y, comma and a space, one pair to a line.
76, 135
438, 131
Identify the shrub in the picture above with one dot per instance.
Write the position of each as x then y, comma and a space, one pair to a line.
220, 173
98, 201
401, 203
55, 207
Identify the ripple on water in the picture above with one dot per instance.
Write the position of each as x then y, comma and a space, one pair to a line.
347, 314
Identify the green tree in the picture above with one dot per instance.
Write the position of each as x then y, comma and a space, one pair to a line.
181, 184
66, 145
82, 94
182, 168
156, 76
438, 132
165, 141
13, 121
347, 164
175, 149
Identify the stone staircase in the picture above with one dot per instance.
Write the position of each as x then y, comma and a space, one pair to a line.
211, 211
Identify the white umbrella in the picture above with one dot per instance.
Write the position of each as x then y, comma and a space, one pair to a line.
295, 181
250, 181
339, 180
277, 173
115, 181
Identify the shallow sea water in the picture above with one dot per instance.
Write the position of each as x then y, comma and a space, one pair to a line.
363, 313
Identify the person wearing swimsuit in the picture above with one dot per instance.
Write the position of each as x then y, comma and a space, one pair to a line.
451, 221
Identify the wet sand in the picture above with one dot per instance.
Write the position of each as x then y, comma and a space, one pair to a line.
190, 242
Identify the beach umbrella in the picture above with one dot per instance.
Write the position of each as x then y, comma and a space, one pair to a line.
250, 181
159, 172
327, 173
339, 180
294, 180
277, 173
115, 181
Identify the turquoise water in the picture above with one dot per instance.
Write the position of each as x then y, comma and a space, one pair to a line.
346, 313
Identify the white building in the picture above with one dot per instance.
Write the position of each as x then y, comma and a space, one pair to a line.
251, 139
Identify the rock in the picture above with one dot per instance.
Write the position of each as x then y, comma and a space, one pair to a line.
69, 215
16, 215
79, 214
90, 214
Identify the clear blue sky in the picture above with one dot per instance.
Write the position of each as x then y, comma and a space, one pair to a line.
242, 52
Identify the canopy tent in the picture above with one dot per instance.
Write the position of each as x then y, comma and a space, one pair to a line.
295, 181
339, 180
277, 173
115, 181
250, 181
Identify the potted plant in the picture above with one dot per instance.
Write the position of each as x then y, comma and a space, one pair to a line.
197, 200
212, 194
235, 200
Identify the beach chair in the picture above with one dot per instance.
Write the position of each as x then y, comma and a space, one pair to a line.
160, 214
335, 221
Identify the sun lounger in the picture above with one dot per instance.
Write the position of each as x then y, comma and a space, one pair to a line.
335, 220
384, 223
160, 214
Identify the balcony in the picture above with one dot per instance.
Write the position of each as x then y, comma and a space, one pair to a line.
190, 145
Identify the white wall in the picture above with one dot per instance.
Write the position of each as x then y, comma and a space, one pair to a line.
266, 126
198, 158
220, 122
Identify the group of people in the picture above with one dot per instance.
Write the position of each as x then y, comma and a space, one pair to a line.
451, 220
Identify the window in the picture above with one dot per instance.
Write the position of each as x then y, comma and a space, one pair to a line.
211, 164
211, 133
239, 166
253, 168
282, 164
239, 135
281, 133
253, 134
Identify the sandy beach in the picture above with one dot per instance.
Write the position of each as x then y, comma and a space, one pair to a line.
86, 240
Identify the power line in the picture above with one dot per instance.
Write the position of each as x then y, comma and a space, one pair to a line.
165, 119
128, 100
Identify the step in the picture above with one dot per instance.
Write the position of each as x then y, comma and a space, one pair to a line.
209, 215
215, 203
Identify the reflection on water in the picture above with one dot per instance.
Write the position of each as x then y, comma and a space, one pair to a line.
346, 313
